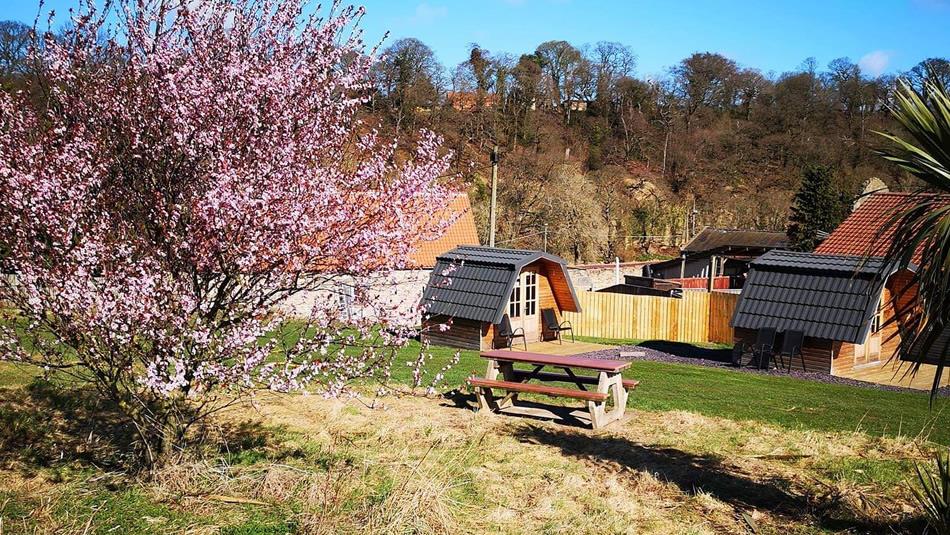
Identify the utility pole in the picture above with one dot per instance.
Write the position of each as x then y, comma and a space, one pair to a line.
545, 237
494, 195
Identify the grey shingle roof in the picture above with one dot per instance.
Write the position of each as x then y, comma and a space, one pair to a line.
938, 353
475, 282
710, 239
830, 297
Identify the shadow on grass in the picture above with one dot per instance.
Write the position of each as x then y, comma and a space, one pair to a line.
693, 473
47, 425
689, 351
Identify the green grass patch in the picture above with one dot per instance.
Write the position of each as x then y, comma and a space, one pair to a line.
788, 402
261, 526
129, 512
13, 375
865, 471
16, 512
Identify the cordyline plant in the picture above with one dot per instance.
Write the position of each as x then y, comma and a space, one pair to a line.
919, 228
186, 169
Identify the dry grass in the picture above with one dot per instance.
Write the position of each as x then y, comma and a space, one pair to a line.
428, 466
454, 470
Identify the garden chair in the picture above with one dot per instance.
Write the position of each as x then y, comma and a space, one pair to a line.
506, 333
551, 324
792, 342
762, 348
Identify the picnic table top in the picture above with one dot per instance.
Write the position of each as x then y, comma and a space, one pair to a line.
569, 361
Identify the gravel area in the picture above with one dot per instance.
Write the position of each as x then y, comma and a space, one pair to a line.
721, 358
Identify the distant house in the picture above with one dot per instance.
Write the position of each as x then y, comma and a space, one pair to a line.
839, 300
722, 252
468, 100
402, 290
471, 288
578, 105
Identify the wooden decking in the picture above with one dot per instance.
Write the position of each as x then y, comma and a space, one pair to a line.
567, 348
896, 373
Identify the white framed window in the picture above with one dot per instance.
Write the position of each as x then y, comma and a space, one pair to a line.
869, 353
514, 302
530, 293
877, 321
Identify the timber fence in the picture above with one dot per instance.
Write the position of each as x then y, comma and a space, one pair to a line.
697, 317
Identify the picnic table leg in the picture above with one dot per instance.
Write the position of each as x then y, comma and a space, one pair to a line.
619, 395
508, 372
492, 372
484, 396
598, 416
486, 399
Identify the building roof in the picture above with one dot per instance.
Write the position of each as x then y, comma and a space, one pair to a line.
461, 232
825, 296
713, 239
938, 353
475, 282
858, 234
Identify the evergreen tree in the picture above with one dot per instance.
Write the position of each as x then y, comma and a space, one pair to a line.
818, 208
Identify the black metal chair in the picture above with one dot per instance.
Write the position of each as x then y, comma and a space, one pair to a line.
551, 324
504, 331
792, 342
737, 351
763, 347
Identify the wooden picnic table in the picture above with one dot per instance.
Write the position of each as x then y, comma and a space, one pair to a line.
608, 381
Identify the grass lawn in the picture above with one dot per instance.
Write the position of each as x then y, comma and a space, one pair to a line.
703, 451
783, 401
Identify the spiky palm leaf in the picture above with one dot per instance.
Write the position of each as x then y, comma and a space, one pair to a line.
933, 493
921, 227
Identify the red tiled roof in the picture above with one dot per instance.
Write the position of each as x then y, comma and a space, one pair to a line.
858, 234
461, 232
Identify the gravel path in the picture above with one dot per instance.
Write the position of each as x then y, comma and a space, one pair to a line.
720, 358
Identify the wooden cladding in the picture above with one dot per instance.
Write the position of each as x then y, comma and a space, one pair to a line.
697, 317
463, 333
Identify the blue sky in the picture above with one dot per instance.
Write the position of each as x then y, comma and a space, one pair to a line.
884, 36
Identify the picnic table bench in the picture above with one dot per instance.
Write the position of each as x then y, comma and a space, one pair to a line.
608, 382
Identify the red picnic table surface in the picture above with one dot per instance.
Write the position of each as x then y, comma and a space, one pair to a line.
568, 361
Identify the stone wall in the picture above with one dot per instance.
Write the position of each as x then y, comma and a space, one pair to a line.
400, 293
596, 276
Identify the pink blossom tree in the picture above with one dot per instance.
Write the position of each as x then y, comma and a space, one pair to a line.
181, 170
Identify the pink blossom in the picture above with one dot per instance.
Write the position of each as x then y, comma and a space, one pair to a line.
166, 203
